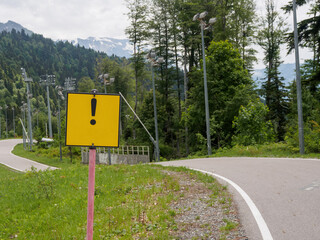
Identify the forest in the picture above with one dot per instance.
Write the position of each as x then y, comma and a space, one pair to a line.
240, 112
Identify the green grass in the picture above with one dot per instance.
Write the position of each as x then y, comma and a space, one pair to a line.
267, 150
47, 156
276, 150
130, 201
6, 172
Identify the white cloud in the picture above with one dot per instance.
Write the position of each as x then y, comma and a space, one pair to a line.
68, 19
71, 19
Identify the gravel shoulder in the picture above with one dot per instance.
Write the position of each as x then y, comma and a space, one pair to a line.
204, 210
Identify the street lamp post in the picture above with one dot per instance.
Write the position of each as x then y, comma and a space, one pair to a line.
298, 80
36, 112
23, 109
59, 88
47, 81
14, 125
29, 95
69, 84
203, 25
106, 81
6, 108
0, 121
153, 62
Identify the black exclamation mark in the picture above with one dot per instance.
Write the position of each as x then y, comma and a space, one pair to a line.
93, 110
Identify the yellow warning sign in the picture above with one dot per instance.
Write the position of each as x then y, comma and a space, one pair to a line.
93, 120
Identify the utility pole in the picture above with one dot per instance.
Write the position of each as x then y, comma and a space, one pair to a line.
23, 112
154, 62
14, 125
106, 81
29, 96
298, 79
59, 88
69, 84
200, 17
185, 77
6, 108
48, 80
0, 121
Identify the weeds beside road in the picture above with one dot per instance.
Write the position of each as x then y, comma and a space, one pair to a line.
131, 202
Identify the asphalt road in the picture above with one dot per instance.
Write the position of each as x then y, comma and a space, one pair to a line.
285, 191
15, 162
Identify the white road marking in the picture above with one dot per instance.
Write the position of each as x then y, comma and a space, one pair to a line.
265, 232
312, 186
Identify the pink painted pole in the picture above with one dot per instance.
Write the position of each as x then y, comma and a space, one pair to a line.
90, 211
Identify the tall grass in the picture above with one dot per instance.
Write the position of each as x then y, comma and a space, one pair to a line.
130, 202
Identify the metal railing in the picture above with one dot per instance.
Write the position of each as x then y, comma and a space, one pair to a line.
122, 150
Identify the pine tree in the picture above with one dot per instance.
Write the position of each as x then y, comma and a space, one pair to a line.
138, 34
270, 38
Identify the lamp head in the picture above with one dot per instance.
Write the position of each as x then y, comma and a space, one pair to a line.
212, 21
203, 15
160, 59
152, 54
196, 17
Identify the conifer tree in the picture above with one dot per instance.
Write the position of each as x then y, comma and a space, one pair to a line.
270, 38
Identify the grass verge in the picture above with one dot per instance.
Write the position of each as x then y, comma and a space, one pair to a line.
6, 172
45, 156
130, 202
273, 150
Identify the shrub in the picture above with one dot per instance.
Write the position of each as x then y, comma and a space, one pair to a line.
251, 125
311, 137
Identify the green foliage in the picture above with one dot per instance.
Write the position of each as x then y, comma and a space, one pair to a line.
44, 186
311, 137
41, 56
270, 37
85, 85
311, 112
274, 150
229, 87
251, 125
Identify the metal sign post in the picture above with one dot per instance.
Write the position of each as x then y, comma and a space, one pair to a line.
90, 211
93, 120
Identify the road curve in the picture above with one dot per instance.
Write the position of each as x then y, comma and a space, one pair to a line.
15, 162
285, 191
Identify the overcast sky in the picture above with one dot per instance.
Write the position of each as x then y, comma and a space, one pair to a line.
71, 19
68, 19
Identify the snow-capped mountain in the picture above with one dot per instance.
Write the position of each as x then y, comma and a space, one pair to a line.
110, 46
118, 47
8, 26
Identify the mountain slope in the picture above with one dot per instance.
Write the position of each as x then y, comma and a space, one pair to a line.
8, 26
110, 46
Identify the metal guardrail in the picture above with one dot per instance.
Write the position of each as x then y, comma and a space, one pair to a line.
123, 152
